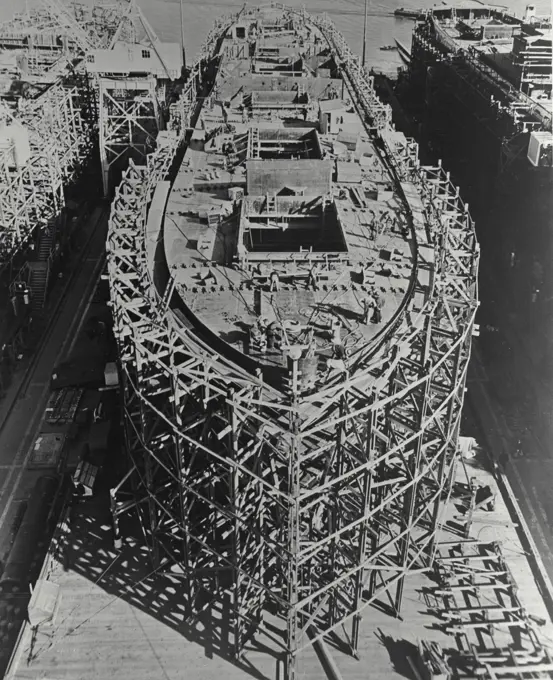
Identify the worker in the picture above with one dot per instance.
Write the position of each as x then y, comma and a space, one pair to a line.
368, 306
377, 314
336, 330
275, 282
271, 336
339, 352
312, 278
274, 336
262, 324
258, 340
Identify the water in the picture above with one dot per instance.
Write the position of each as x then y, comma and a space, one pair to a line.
382, 28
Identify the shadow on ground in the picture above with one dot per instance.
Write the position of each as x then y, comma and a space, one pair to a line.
128, 574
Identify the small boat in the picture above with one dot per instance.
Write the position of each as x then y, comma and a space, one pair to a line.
408, 13
388, 48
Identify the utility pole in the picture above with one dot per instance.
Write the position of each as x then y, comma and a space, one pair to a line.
364, 59
182, 34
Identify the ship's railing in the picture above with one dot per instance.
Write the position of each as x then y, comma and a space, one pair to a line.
180, 112
380, 114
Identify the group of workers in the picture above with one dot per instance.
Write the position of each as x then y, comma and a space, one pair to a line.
373, 305
266, 336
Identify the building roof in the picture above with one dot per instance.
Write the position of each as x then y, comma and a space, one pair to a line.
467, 4
125, 58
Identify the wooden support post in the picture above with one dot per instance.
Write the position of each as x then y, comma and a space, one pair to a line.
367, 494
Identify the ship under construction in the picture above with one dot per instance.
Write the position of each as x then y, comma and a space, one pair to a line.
293, 298
479, 86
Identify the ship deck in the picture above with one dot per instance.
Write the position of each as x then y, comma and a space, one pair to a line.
282, 214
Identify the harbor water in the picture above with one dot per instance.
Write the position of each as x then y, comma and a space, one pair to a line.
382, 26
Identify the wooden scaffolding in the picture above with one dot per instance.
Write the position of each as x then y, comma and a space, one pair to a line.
313, 505
52, 142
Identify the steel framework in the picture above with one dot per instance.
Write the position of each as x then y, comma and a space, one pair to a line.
61, 27
52, 137
318, 505
130, 119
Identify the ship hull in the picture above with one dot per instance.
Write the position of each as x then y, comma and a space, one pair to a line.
288, 489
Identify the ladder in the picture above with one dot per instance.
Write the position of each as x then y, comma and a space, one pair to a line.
254, 142
271, 203
166, 299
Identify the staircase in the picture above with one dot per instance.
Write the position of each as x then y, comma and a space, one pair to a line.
40, 268
38, 283
45, 244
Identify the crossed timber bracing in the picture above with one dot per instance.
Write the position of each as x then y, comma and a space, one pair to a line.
315, 505
59, 128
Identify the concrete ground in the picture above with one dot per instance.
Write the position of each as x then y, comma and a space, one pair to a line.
22, 409
118, 616
529, 474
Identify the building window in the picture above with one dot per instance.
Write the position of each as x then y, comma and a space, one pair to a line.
146, 54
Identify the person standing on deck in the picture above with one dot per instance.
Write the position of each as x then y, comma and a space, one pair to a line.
368, 306
274, 282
